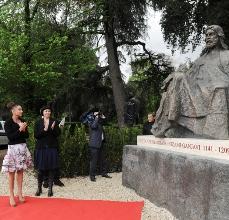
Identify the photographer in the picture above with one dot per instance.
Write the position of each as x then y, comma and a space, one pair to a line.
96, 145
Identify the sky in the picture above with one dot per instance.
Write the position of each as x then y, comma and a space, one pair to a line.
155, 42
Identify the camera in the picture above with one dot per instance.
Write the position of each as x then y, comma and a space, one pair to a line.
99, 113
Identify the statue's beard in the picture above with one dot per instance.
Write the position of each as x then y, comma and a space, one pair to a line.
210, 44
213, 43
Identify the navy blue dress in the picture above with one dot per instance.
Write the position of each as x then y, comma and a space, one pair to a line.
46, 149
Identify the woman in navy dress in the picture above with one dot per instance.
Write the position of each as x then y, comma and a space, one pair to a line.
46, 132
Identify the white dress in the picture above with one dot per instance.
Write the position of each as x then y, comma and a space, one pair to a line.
17, 158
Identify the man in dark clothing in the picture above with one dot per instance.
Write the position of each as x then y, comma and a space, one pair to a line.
96, 148
148, 125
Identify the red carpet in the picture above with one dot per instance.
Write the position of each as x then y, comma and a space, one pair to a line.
67, 209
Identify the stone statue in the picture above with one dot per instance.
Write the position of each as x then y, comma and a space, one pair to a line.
195, 103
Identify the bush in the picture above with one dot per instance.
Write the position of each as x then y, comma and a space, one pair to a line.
31, 140
73, 150
116, 138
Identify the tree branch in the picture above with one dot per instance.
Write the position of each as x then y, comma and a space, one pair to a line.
35, 9
93, 32
99, 40
102, 69
135, 43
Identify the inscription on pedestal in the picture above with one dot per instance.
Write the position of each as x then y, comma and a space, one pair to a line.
203, 147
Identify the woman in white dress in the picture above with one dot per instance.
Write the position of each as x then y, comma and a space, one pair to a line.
18, 157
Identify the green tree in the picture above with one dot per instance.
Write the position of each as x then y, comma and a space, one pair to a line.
121, 23
148, 76
183, 22
55, 62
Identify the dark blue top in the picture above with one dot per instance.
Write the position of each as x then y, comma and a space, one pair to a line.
96, 133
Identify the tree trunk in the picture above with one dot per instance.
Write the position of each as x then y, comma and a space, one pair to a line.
27, 31
115, 72
27, 56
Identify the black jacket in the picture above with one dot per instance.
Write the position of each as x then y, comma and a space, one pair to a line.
96, 133
47, 138
14, 135
147, 128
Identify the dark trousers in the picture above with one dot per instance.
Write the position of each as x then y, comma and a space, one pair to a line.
97, 156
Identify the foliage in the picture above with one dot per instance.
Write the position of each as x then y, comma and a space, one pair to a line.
183, 22
73, 152
63, 66
147, 78
74, 155
128, 17
115, 140
48, 54
119, 23
31, 140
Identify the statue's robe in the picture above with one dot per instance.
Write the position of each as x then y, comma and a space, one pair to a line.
196, 102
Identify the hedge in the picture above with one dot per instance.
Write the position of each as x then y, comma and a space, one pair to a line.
73, 150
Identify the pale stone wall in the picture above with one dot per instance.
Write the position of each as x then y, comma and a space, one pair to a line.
191, 187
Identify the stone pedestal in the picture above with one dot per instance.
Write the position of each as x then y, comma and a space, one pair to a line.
201, 147
191, 187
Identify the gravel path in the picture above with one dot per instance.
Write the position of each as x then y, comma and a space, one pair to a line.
102, 189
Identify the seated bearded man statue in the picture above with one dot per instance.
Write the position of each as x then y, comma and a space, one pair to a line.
195, 103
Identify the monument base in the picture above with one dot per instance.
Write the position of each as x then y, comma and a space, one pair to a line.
189, 186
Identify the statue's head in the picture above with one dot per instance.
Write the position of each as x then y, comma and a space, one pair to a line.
214, 37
